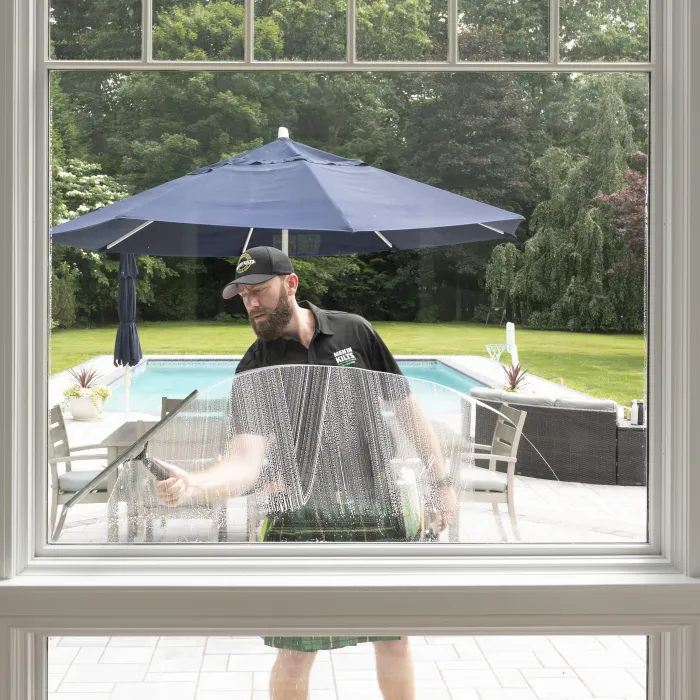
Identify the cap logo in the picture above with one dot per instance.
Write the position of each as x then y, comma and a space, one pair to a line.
245, 263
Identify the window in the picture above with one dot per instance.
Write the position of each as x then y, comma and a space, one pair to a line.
567, 150
630, 589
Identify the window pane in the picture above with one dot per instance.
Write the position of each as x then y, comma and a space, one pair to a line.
300, 30
495, 30
438, 668
198, 31
108, 30
567, 152
604, 30
401, 31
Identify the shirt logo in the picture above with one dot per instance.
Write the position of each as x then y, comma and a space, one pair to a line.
244, 263
344, 357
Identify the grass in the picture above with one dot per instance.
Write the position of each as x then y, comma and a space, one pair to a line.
606, 366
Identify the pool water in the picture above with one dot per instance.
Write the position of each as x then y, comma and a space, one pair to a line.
177, 378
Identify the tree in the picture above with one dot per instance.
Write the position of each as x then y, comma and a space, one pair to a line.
96, 30
77, 189
627, 212
563, 281
85, 283
524, 142
605, 30
467, 133
518, 29
500, 276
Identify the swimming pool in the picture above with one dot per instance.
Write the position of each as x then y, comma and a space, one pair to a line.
176, 378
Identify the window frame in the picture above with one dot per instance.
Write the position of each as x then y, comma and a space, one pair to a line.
646, 588
44, 553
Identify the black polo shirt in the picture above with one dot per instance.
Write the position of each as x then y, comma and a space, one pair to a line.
340, 339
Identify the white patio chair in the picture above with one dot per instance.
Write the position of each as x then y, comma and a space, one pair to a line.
486, 484
67, 482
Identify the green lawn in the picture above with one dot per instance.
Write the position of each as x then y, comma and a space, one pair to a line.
607, 366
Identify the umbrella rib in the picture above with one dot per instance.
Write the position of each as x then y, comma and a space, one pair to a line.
247, 240
491, 228
131, 233
314, 175
388, 242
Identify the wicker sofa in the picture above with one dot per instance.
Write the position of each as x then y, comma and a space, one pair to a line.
578, 437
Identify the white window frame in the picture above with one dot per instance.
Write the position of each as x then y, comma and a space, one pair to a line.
647, 588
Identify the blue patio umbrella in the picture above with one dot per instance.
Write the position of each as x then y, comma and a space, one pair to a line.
291, 196
127, 347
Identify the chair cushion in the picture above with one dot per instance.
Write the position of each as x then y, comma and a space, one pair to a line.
70, 482
480, 479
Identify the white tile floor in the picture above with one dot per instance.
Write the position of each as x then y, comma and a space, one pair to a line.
446, 668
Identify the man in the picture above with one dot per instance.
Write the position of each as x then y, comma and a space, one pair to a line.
292, 333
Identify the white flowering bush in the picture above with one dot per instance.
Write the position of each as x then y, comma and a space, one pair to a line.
80, 188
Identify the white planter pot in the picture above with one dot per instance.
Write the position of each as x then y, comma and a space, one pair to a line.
83, 408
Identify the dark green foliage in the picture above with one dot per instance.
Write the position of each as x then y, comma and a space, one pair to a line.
545, 146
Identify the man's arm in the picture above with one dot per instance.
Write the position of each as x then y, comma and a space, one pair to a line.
231, 477
418, 429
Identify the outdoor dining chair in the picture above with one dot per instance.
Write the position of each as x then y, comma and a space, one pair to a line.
487, 484
149, 507
68, 481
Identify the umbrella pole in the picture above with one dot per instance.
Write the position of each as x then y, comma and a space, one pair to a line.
285, 241
127, 384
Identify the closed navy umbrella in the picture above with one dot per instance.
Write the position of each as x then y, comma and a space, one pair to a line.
321, 203
127, 347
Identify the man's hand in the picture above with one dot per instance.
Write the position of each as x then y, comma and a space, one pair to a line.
173, 491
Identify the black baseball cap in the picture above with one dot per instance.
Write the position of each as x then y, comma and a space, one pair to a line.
258, 265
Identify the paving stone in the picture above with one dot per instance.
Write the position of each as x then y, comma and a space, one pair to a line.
83, 642
133, 642
125, 655
153, 691
176, 659
512, 659
105, 673
87, 688
611, 681
570, 688
455, 679
234, 680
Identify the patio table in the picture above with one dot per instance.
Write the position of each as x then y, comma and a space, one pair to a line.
116, 442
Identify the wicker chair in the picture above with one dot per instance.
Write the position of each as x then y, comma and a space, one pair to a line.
577, 437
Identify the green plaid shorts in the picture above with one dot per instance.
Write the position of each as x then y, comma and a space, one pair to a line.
310, 525
320, 643
333, 525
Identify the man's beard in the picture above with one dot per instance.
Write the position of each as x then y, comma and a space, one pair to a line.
275, 321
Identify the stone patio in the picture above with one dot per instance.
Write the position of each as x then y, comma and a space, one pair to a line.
547, 511
447, 668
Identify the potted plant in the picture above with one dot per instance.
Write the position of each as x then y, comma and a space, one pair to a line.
85, 397
515, 378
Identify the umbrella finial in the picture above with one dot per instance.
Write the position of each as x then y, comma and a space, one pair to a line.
283, 133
